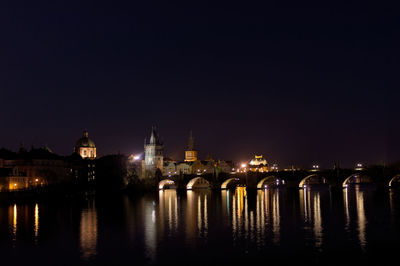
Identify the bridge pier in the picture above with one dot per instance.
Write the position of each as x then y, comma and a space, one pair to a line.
251, 181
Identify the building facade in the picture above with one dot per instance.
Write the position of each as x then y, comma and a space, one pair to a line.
26, 170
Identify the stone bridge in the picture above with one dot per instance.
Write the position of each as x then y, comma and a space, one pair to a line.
295, 179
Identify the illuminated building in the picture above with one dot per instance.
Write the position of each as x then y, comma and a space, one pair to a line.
85, 147
153, 158
258, 164
225, 166
184, 168
203, 167
169, 168
190, 153
26, 170
190, 166
13, 179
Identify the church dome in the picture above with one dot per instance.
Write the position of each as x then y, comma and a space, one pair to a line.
85, 142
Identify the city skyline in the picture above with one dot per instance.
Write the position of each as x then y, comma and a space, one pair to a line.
298, 84
179, 155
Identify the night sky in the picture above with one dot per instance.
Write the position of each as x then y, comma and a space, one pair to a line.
300, 84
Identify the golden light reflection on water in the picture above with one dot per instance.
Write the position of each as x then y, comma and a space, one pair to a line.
36, 226
19, 217
268, 199
362, 220
317, 220
310, 206
260, 215
276, 218
168, 208
356, 197
197, 213
240, 223
258, 220
88, 231
13, 222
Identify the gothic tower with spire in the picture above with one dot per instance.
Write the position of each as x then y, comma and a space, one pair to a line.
190, 153
153, 158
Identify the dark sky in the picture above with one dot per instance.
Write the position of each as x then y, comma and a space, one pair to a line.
300, 84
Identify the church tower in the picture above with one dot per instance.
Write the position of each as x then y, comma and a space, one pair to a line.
190, 153
153, 158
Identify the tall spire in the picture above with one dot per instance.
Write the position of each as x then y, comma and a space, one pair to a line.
153, 136
190, 142
154, 139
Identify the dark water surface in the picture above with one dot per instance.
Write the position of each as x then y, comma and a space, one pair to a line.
275, 227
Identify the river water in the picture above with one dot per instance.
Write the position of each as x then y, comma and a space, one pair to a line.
275, 227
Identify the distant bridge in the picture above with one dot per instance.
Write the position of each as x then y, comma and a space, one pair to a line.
299, 179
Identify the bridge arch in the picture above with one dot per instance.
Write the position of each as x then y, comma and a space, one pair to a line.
357, 179
228, 181
394, 180
198, 183
270, 181
166, 183
313, 179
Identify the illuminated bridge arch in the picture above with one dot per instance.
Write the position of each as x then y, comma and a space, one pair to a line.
313, 180
357, 179
394, 182
166, 183
270, 181
198, 183
228, 182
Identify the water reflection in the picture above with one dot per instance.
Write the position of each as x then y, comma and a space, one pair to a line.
274, 225
150, 230
168, 207
13, 216
88, 230
257, 223
268, 213
355, 198
36, 225
275, 214
310, 207
197, 213
391, 202
394, 198
239, 221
